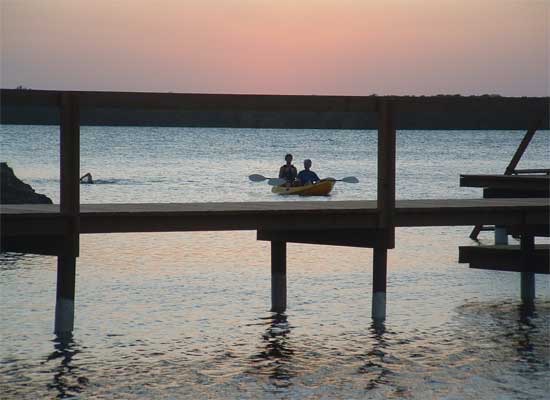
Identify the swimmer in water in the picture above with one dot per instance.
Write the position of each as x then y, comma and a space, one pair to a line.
87, 178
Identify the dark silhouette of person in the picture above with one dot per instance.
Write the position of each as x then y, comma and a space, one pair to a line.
288, 172
86, 178
306, 176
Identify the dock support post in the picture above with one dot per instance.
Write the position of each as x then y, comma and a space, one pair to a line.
379, 274
64, 305
501, 235
70, 209
527, 245
278, 276
385, 204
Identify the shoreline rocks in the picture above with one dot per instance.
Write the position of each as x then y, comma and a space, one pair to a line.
14, 191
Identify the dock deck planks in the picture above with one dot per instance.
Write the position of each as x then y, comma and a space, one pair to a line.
162, 217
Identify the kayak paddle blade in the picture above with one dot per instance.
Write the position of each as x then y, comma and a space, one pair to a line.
257, 178
350, 179
275, 181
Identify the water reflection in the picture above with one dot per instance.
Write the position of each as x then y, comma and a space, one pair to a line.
518, 328
66, 380
275, 358
14, 261
374, 367
526, 327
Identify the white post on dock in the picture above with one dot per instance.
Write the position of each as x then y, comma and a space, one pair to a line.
527, 245
501, 235
278, 276
70, 209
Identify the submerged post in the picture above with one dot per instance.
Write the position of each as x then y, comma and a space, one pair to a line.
379, 276
527, 245
69, 208
385, 206
278, 276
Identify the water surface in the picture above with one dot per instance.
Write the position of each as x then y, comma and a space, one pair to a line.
186, 315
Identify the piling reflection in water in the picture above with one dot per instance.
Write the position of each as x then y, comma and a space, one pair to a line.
276, 357
374, 368
66, 379
525, 328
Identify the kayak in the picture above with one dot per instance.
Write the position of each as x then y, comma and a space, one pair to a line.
322, 188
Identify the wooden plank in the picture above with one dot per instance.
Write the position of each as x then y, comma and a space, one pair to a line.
42, 225
194, 101
48, 245
105, 218
479, 109
541, 230
515, 182
506, 258
532, 171
366, 238
281, 207
494, 193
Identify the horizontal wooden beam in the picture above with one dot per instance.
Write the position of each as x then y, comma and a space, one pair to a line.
540, 230
37, 244
304, 215
193, 101
368, 238
531, 171
494, 193
514, 182
476, 112
505, 258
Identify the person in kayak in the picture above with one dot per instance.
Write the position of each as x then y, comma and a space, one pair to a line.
288, 172
306, 176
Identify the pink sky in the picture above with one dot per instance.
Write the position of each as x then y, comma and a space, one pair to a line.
355, 47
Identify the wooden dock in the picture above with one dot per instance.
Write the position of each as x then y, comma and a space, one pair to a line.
46, 220
55, 229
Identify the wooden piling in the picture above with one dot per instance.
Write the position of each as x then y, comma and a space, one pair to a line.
278, 276
64, 306
385, 201
69, 208
379, 275
527, 245
385, 205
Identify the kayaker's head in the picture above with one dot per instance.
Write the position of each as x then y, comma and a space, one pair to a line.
288, 159
307, 164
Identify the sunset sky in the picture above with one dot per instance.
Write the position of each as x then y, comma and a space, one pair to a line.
355, 47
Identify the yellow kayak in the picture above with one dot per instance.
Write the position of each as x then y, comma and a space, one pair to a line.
322, 188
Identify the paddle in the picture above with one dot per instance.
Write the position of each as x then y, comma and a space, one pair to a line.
347, 179
270, 181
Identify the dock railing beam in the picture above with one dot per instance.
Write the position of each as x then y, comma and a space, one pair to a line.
385, 206
69, 208
278, 276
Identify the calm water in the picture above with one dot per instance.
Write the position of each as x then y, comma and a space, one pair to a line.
185, 315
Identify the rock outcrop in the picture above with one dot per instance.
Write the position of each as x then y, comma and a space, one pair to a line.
15, 191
